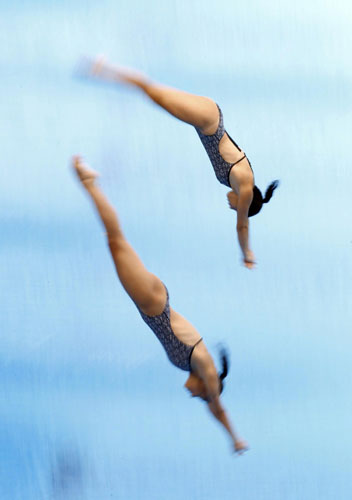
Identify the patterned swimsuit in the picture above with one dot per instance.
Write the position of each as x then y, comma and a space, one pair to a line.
221, 167
178, 352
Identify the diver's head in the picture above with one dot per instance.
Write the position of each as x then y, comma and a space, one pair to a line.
258, 199
195, 385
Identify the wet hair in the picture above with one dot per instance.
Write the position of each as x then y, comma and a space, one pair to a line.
224, 356
258, 199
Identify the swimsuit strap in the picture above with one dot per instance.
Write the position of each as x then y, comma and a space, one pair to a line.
243, 157
198, 342
191, 352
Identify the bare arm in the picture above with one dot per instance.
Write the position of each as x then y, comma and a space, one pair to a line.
220, 414
243, 204
211, 381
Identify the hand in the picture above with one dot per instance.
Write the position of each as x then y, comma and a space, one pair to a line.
232, 199
240, 447
249, 260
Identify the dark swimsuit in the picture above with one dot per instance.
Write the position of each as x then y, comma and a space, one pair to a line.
178, 352
221, 167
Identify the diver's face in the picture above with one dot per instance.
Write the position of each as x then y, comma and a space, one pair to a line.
195, 386
232, 198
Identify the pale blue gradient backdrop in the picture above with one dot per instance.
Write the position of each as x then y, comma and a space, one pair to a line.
90, 406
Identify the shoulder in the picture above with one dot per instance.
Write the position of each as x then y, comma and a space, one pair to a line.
241, 176
202, 362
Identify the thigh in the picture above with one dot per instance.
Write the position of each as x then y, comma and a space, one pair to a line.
199, 111
144, 288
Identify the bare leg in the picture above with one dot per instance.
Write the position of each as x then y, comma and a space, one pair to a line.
196, 110
144, 288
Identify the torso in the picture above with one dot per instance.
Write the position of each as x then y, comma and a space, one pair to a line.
241, 172
229, 162
177, 335
183, 329
188, 334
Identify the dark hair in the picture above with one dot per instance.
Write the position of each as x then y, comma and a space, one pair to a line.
224, 356
258, 199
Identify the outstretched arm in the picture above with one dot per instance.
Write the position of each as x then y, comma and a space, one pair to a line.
220, 414
211, 381
244, 201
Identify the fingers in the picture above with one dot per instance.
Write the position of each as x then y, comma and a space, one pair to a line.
249, 264
241, 448
231, 207
249, 259
241, 452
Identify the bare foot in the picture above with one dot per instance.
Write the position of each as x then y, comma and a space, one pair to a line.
100, 68
85, 174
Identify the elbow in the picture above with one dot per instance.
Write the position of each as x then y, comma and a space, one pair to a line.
113, 242
241, 228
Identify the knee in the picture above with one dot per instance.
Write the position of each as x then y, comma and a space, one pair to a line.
212, 112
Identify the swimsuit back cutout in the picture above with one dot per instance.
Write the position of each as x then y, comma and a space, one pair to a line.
244, 154
178, 352
221, 167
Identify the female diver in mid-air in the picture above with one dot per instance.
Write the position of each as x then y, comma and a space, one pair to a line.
206, 116
181, 341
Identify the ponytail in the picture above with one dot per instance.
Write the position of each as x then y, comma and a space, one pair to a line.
224, 357
270, 190
258, 199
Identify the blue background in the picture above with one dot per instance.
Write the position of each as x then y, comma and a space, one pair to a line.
90, 407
